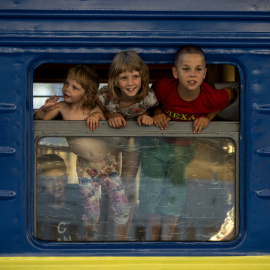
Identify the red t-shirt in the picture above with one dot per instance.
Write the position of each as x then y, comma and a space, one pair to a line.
177, 109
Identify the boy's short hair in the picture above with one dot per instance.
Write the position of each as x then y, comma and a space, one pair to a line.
50, 162
188, 49
127, 61
87, 77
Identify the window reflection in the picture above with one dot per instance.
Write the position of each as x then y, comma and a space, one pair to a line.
125, 180
59, 208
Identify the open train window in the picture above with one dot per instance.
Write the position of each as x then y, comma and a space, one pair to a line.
75, 203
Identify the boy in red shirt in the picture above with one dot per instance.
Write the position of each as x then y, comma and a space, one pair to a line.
182, 97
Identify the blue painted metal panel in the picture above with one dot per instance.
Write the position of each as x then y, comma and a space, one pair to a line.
139, 5
36, 32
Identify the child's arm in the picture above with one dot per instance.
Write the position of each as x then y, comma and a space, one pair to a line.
94, 117
48, 110
203, 121
145, 119
231, 93
160, 119
115, 120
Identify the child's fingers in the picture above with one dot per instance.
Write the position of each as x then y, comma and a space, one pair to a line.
147, 120
88, 122
163, 125
51, 101
196, 126
112, 123
150, 121
54, 97
200, 124
117, 122
197, 129
121, 122
95, 125
92, 123
139, 121
161, 122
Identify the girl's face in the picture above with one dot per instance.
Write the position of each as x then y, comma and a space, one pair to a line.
190, 72
73, 92
129, 83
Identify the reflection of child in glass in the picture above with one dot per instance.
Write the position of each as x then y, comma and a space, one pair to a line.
182, 97
59, 204
94, 155
128, 97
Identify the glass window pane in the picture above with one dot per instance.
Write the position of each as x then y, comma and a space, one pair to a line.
135, 189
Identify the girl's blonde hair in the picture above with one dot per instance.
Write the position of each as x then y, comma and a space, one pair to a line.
127, 61
87, 77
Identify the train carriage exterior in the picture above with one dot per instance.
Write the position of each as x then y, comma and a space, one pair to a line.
40, 39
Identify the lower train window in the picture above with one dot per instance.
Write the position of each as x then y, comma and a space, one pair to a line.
133, 187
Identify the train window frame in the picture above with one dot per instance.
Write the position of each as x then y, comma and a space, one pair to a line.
214, 129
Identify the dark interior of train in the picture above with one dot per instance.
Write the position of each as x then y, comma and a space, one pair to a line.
54, 73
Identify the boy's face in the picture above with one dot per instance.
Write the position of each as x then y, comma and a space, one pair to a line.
54, 182
190, 72
73, 92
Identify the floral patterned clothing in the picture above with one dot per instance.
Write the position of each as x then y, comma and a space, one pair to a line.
133, 111
105, 173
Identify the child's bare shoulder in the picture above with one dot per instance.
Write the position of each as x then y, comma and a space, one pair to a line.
62, 105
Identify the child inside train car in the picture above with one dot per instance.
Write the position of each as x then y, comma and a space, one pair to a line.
182, 97
79, 91
128, 97
95, 163
59, 208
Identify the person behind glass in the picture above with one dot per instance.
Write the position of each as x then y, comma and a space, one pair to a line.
128, 97
184, 96
95, 164
59, 208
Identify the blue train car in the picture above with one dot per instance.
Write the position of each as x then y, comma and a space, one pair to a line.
226, 181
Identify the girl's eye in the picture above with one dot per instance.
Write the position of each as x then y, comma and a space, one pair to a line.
123, 78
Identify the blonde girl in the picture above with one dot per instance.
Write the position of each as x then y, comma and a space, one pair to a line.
128, 97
